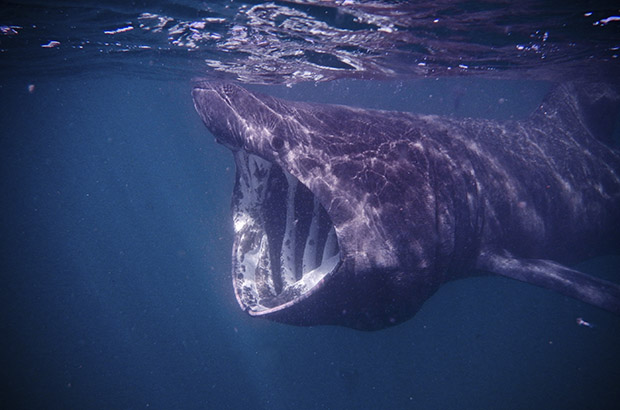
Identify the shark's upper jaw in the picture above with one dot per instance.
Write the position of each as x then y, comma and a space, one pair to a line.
285, 243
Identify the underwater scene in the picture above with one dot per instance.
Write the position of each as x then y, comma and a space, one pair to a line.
369, 176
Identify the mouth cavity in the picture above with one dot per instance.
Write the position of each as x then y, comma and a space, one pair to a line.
285, 243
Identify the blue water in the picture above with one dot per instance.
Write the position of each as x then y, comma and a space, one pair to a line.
116, 287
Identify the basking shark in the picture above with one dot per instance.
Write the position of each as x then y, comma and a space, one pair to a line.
355, 217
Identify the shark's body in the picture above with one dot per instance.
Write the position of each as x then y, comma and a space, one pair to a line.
355, 217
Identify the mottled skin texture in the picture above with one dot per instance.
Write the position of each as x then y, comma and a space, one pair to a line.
418, 200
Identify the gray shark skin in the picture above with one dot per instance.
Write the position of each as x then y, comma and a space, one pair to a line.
353, 217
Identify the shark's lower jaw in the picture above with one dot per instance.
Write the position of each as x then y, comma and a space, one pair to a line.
285, 243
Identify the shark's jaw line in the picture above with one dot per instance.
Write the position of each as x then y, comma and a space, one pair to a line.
285, 243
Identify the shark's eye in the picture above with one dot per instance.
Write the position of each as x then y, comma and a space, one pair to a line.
228, 89
277, 143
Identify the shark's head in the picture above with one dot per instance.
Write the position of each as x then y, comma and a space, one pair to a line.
311, 244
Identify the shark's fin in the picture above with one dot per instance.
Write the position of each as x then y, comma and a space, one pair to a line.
552, 275
593, 106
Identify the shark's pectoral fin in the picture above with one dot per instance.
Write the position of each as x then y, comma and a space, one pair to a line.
552, 275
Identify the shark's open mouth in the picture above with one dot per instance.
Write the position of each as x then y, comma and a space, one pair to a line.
285, 242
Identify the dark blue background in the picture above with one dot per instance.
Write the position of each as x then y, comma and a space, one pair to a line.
116, 293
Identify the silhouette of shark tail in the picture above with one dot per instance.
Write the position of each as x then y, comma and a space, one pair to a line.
594, 106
